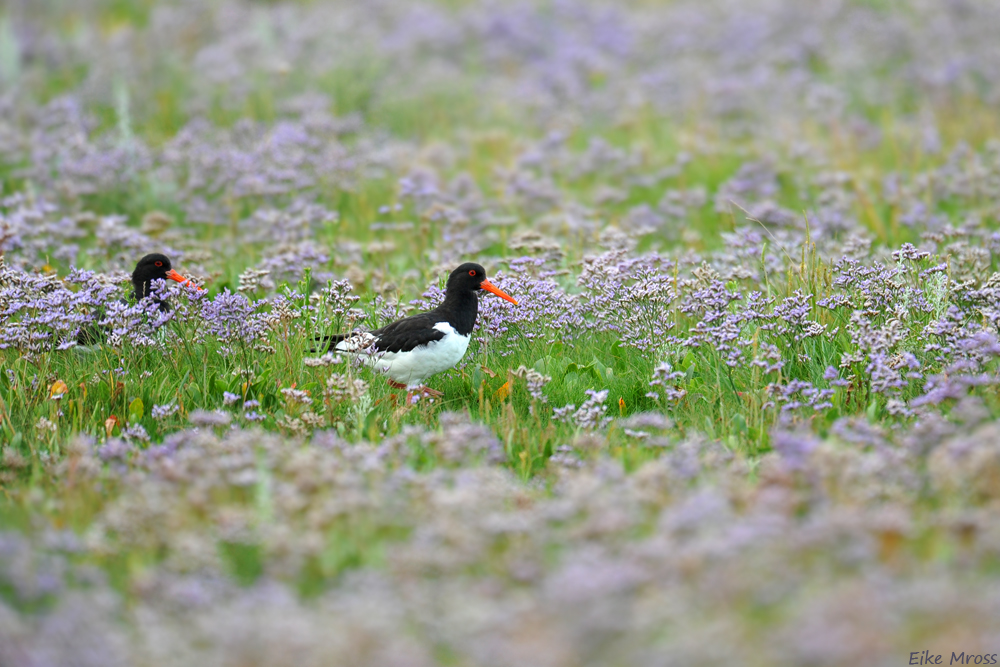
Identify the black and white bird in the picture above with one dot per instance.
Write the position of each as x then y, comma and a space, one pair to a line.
154, 267
414, 348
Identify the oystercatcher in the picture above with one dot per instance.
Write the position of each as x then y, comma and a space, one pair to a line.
151, 267
414, 348
154, 267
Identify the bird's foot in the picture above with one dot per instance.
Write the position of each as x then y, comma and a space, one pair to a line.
396, 385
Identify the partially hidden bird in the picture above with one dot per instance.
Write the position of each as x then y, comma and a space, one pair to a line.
152, 267
155, 266
414, 348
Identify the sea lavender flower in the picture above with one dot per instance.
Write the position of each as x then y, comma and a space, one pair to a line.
250, 280
209, 419
325, 360
45, 425
666, 378
234, 323
832, 375
566, 457
287, 263
909, 253
296, 396
461, 441
590, 414
796, 394
794, 447
336, 303
115, 449
136, 433
535, 381
551, 315
768, 358
163, 411
341, 387
631, 296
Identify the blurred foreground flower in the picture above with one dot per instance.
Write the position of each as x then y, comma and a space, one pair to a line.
44, 424
590, 415
535, 381
328, 359
209, 418
164, 411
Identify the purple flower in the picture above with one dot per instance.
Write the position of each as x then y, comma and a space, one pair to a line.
235, 323
163, 411
590, 415
209, 419
794, 447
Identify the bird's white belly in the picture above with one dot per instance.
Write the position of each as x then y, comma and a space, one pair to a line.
413, 367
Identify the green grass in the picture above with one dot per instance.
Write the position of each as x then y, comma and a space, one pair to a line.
725, 404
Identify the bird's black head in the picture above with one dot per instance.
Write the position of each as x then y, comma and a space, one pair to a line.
470, 277
152, 267
467, 277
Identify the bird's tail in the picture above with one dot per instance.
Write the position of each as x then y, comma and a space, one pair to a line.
324, 344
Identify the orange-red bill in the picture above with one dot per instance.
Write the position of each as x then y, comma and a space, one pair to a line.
490, 287
173, 275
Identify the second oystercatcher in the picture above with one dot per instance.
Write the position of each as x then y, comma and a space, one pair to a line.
154, 267
414, 348
151, 267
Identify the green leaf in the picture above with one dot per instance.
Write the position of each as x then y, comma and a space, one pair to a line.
709, 426
544, 365
575, 371
603, 371
739, 423
135, 410
619, 355
688, 363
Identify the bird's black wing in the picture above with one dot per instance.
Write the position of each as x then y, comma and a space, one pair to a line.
400, 336
408, 333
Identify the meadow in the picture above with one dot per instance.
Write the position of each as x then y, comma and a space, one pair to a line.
746, 411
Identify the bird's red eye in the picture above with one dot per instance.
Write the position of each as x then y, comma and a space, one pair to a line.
472, 273
158, 263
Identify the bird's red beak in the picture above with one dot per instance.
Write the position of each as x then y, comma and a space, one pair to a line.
173, 275
490, 287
